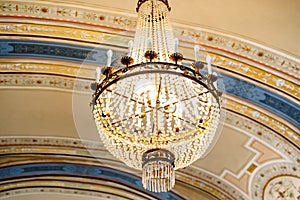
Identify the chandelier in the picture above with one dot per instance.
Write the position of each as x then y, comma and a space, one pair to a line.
156, 114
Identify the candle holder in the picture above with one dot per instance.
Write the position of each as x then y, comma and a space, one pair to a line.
176, 57
150, 55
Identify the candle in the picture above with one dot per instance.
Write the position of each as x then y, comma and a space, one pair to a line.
208, 60
130, 44
216, 82
109, 56
149, 43
196, 49
98, 73
176, 44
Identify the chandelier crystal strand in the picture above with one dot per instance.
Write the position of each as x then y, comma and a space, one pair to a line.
153, 23
154, 114
158, 170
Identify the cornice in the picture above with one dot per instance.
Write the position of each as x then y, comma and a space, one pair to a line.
215, 41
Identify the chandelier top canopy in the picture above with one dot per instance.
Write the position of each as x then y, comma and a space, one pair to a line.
140, 2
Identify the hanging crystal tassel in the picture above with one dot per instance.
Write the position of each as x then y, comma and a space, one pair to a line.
158, 170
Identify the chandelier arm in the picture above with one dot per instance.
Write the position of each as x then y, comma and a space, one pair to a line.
182, 119
140, 102
176, 102
100, 90
181, 67
130, 98
130, 117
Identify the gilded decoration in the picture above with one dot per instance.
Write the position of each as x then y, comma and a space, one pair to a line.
265, 118
272, 60
39, 190
258, 74
283, 188
54, 31
276, 181
46, 68
78, 182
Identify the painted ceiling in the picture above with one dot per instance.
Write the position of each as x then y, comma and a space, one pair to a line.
49, 147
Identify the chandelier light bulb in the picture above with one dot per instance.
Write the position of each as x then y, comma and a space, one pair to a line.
156, 114
98, 74
130, 45
149, 43
215, 83
176, 44
208, 60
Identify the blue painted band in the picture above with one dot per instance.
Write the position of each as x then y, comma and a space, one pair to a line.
242, 89
264, 98
77, 169
55, 50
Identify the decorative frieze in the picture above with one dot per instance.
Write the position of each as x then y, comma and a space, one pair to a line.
269, 58
263, 184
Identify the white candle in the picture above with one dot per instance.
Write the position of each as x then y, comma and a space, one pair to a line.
98, 73
196, 49
208, 60
109, 56
176, 44
130, 44
149, 43
216, 82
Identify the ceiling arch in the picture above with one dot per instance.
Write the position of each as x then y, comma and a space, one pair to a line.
48, 54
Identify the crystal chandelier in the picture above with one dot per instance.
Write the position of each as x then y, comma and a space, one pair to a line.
155, 113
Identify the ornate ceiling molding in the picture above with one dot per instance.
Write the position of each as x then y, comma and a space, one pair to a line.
262, 86
272, 100
90, 56
267, 173
75, 149
271, 59
261, 138
29, 160
38, 51
286, 186
18, 192
68, 84
93, 181
265, 118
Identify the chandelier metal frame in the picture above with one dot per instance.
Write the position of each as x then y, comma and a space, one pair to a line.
171, 68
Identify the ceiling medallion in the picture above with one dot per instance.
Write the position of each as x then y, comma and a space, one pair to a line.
156, 114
